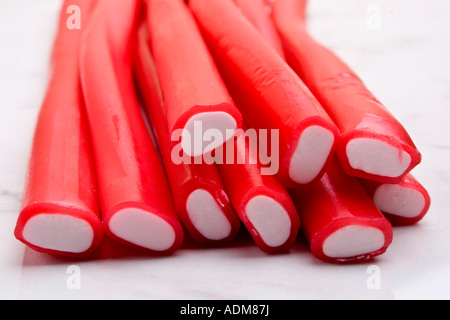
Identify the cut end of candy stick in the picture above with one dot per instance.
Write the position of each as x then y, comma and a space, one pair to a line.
353, 241
143, 229
312, 152
59, 232
270, 220
377, 158
207, 131
399, 200
207, 216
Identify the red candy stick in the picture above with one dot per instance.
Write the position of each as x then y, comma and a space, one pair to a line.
200, 199
196, 98
339, 220
262, 203
404, 203
267, 91
374, 145
258, 13
135, 197
59, 209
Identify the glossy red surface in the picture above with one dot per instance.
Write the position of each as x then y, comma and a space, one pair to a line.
334, 202
244, 181
184, 178
266, 90
190, 80
61, 173
344, 96
129, 171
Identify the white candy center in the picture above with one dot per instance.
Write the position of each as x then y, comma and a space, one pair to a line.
143, 229
398, 200
270, 220
352, 241
59, 232
206, 131
207, 216
311, 154
377, 158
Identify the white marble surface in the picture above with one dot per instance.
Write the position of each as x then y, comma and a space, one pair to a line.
400, 48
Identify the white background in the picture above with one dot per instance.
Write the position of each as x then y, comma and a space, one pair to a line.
403, 55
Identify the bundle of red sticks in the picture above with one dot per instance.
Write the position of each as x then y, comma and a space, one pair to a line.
167, 116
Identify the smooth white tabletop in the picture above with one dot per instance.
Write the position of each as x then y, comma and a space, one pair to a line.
400, 49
